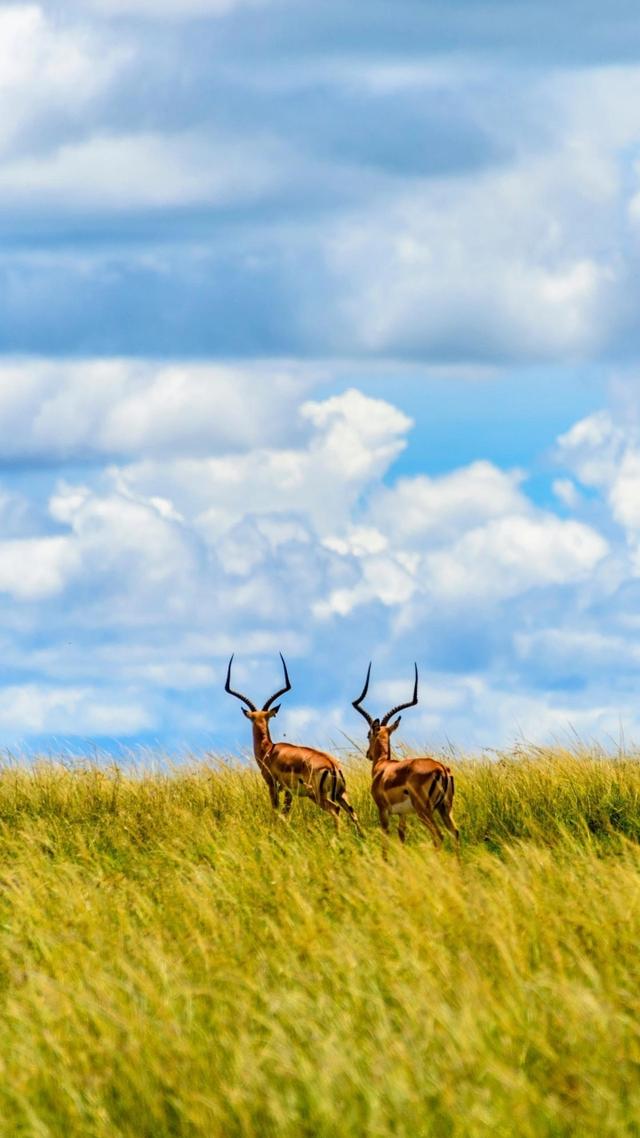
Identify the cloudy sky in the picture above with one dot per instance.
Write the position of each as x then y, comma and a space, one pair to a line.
319, 333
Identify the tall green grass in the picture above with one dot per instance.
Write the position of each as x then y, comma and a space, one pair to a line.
174, 960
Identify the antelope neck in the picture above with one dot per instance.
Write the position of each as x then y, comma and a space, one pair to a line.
382, 755
262, 741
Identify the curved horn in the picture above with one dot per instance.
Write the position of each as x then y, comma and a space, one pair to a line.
238, 695
282, 691
356, 702
401, 706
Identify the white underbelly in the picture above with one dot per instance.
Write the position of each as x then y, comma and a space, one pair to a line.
403, 807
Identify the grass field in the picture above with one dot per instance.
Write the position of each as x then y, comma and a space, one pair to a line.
174, 960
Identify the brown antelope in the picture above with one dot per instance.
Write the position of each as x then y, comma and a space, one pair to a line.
296, 770
421, 786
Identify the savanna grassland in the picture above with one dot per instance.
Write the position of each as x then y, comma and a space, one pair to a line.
175, 960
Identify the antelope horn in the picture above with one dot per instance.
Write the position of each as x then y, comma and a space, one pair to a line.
356, 702
282, 691
401, 706
238, 695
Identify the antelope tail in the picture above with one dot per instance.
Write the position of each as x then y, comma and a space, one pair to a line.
441, 780
334, 786
323, 779
337, 784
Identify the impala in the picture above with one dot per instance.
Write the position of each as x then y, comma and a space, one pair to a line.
421, 786
296, 770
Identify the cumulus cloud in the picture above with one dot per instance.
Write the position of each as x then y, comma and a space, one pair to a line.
36, 568
353, 441
148, 574
61, 410
508, 556
478, 538
361, 436
117, 556
131, 545
594, 448
418, 509
143, 541
603, 450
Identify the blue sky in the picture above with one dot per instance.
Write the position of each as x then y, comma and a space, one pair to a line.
318, 333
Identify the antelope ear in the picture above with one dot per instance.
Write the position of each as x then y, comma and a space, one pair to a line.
245, 712
392, 726
274, 710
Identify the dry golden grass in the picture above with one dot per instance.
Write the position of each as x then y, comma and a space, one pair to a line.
176, 961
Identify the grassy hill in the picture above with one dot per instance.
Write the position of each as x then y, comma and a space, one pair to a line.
174, 960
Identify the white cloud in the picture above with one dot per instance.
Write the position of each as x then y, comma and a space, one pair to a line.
66, 410
566, 492
416, 271
513, 554
354, 439
36, 568
33, 708
598, 105
624, 494
283, 524
160, 567
48, 69
144, 170
131, 548
604, 453
124, 548
136, 560
532, 257
381, 578
361, 435
492, 562
593, 448
358, 541
152, 533
420, 509
464, 536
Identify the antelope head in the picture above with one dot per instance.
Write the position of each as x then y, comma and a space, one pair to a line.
259, 716
381, 730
